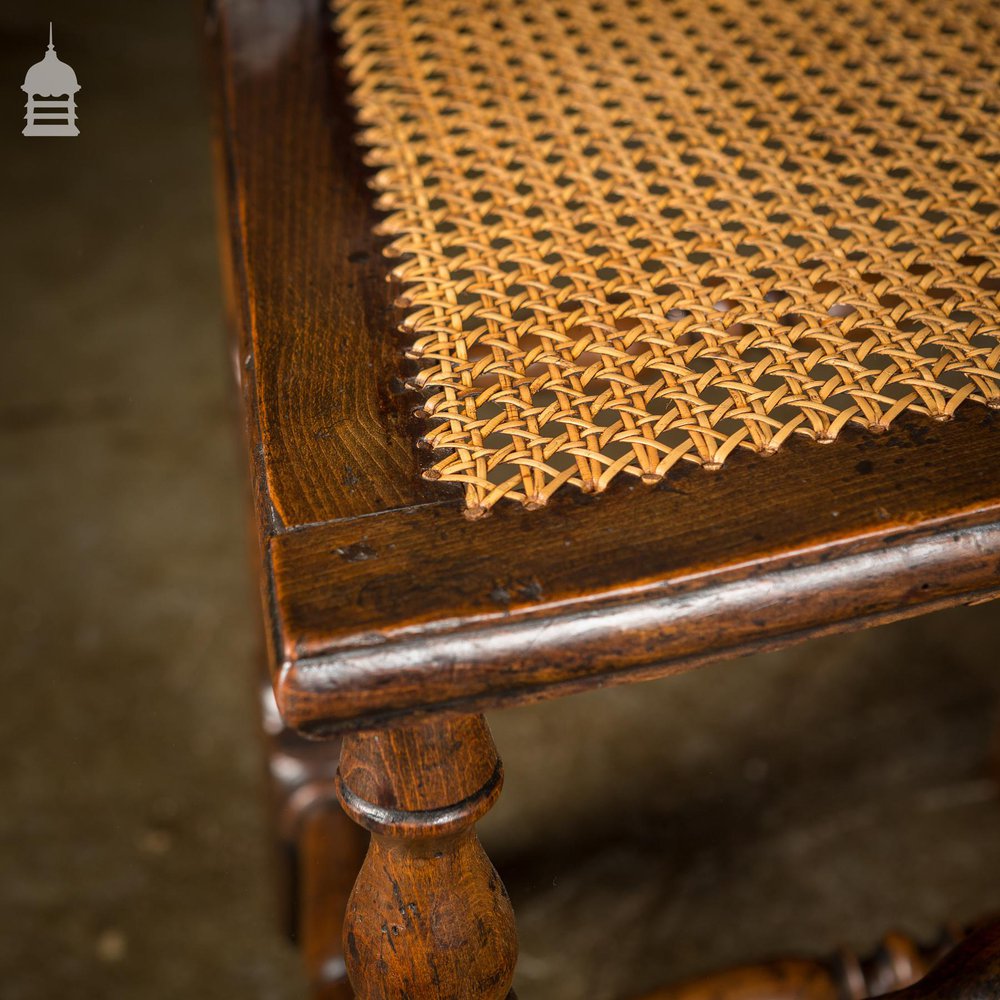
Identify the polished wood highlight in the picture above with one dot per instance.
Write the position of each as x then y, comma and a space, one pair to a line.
970, 972
332, 436
393, 621
383, 601
897, 963
419, 609
429, 916
562, 342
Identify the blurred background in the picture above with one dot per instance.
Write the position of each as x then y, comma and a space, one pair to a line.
783, 803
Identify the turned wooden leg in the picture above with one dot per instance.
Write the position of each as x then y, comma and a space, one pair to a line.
429, 917
319, 851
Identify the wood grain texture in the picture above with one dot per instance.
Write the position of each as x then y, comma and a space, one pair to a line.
317, 355
383, 601
419, 767
420, 609
429, 916
563, 342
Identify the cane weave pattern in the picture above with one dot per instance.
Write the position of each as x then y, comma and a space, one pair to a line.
631, 232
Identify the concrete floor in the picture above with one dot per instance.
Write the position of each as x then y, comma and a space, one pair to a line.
785, 802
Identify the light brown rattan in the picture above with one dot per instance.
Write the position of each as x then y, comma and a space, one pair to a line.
633, 232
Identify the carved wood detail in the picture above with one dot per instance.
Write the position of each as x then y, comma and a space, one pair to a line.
429, 916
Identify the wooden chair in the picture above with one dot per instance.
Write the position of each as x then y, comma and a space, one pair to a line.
393, 621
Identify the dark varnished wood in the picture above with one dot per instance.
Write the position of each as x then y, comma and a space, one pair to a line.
319, 851
429, 916
385, 604
970, 972
384, 601
331, 437
421, 609
372, 576
330, 850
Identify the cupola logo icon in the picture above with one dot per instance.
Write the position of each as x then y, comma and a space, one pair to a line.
51, 87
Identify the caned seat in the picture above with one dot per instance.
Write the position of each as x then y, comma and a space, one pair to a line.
583, 342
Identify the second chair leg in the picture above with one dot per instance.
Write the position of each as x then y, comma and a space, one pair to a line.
429, 917
319, 851
330, 852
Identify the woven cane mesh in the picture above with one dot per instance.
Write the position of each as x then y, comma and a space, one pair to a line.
634, 232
